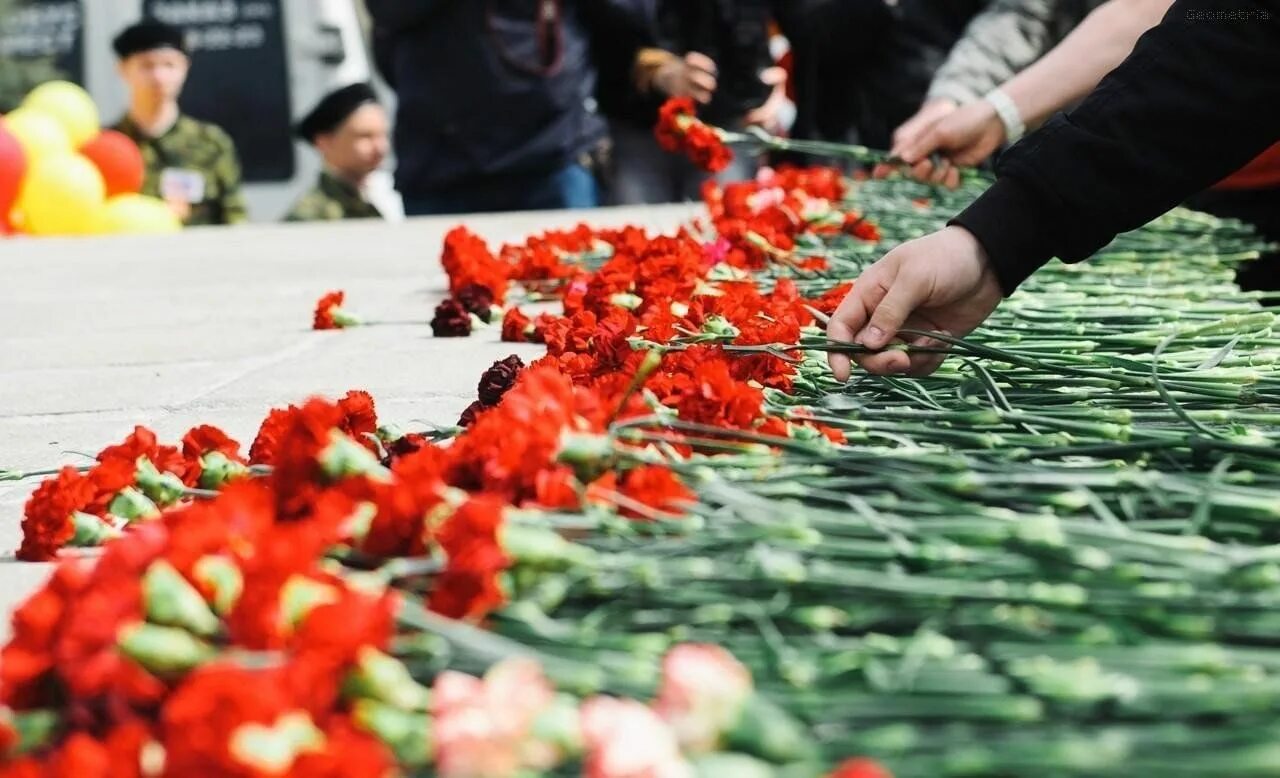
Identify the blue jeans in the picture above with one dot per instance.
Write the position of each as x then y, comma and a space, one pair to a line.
572, 186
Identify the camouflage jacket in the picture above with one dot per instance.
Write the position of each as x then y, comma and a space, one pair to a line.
196, 162
329, 200
1002, 40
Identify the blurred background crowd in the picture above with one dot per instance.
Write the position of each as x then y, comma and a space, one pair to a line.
325, 109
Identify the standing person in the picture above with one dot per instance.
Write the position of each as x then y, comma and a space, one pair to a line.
191, 165
862, 67
713, 51
497, 103
349, 128
1194, 101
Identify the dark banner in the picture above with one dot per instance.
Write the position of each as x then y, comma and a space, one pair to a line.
239, 77
47, 31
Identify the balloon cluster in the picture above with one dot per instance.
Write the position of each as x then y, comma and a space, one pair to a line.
61, 174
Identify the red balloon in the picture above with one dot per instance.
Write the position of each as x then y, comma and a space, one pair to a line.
13, 166
118, 159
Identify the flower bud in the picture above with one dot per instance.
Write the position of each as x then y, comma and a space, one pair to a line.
272, 750
91, 531
170, 600
344, 457
220, 574
163, 650
407, 734
133, 506
216, 469
162, 488
384, 678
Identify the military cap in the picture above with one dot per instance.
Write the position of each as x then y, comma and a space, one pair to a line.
334, 109
149, 35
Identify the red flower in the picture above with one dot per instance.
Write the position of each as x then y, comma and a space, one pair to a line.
203, 440
348, 753
679, 131
142, 443
468, 261
656, 487
27, 659
861, 228
328, 314
516, 327
708, 394
468, 588
47, 525
359, 418
200, 720
265, 445
451, 320
860, 768
400, 528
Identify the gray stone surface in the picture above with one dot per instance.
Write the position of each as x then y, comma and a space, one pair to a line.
213, 326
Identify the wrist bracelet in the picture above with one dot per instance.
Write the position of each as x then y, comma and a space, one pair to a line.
1010, 117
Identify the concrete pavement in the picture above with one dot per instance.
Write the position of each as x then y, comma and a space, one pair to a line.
213, 326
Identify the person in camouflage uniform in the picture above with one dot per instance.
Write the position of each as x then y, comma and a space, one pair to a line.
191, 165
350, 130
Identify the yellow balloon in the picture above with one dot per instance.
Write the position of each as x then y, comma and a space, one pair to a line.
134, 214
70, 105
62, 195
39, 134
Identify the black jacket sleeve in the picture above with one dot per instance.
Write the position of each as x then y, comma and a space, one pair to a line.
1198, 98
393, 16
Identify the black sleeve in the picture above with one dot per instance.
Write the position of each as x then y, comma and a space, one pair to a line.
393, 16
1198, 99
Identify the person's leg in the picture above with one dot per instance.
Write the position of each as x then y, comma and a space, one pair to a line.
643, 173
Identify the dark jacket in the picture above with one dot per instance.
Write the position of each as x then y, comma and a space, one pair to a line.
1198, 98
733, 33
862, 67
492, 88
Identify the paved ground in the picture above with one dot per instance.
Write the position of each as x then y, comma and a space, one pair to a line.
213, 326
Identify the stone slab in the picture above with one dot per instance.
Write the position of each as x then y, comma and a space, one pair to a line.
212, 326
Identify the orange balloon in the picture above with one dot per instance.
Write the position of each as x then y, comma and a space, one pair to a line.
117, 157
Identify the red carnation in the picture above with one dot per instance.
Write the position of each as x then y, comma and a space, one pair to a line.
329, 314
679, 131
451, 320
47, 524
656, 487
359, 418
468, 588
860, 768
517, 328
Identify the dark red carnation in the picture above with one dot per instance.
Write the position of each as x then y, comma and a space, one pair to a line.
499, 378
478, 300
451, 320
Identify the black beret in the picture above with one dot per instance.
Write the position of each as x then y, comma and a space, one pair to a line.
334, 109
149, 35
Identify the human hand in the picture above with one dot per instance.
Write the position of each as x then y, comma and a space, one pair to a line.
940, 283
965, 137
694, 76
913, 129
769, 115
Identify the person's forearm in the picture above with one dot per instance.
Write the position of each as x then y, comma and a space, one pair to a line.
1000, 41
1074, 67
1195, 101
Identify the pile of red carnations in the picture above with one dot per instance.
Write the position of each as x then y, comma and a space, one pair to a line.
245, 614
